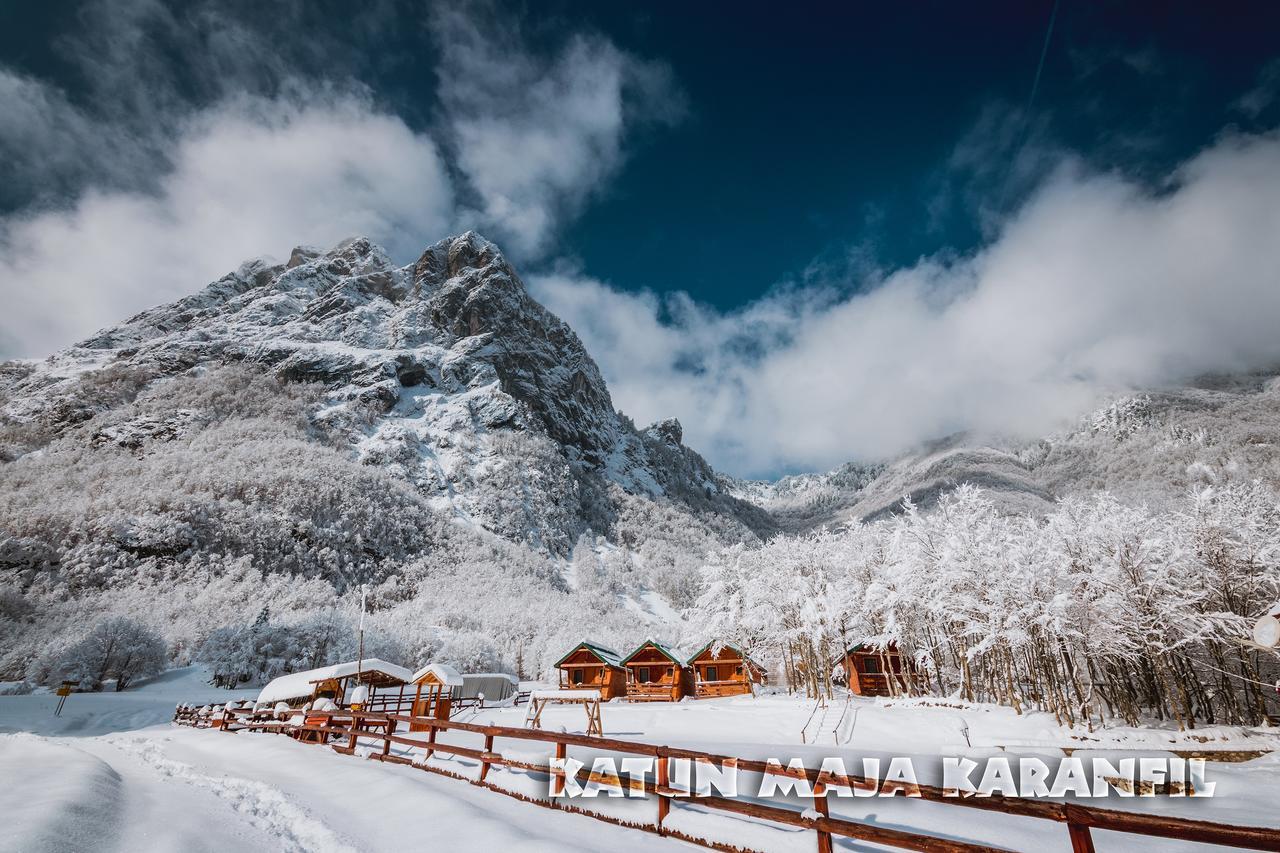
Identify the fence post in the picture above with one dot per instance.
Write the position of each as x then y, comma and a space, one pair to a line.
355, 725
484, 758
664, 804
1081, 840
822, 807
557, 775
431, 738
391, 729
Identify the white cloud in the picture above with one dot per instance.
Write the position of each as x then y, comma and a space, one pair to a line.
149, 195
535, 136
248, 177
1095, 286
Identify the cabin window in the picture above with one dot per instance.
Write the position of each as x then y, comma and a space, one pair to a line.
643, 677
871, 666
712, 674
737, 670
577, 676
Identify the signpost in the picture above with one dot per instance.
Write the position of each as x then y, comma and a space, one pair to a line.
62, 693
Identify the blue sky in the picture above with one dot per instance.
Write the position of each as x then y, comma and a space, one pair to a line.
774, 224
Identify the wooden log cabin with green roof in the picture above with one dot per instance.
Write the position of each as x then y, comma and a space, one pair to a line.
720, 669
655, 673
868, 668
591, 666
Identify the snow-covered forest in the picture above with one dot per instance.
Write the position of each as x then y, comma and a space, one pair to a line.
201, 499
1096, 610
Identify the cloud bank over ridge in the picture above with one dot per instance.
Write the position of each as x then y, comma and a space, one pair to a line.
1096, 285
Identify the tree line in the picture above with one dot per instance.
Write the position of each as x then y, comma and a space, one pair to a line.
1099, 610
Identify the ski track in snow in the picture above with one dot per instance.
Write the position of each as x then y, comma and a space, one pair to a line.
266, 807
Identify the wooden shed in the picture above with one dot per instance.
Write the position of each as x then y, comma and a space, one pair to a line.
385, 683
723, 670
434, 686
591, 666
656, 674
866, 666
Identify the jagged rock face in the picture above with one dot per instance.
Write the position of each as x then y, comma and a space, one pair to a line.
445, 372
473, 296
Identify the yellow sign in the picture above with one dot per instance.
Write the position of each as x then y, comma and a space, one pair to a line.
63, 691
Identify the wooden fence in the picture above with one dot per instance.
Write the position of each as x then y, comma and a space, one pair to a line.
349, 727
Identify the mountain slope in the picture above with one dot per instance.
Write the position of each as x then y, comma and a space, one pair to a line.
338, 418
1149, 448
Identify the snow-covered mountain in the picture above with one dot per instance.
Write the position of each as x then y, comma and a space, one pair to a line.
1148, 448
445, 373
338, 417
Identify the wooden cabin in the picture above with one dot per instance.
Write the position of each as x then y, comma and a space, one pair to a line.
724, 671
865, 668
656, 674
385, 685
591, 666
434, 686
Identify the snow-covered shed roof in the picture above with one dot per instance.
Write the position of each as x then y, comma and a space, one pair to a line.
296, 685
867, 648
609, 656
445, 674
574, 695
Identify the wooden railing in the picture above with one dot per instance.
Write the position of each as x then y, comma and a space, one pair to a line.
650, 691
349, 727
723, 687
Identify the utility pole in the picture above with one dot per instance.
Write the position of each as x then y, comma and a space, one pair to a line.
360, 642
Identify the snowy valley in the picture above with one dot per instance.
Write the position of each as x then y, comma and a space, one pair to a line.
206, 486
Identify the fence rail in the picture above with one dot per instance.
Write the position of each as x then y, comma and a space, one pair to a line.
349, 727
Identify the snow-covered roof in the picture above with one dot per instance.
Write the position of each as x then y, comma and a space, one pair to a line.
565, 694
608, 655
445, 674
296, 685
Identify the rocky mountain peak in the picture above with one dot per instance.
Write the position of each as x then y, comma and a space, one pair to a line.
445, 372
667, 430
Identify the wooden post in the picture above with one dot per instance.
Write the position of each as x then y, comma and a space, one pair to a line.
355, 724
484, 759
431, 738
821, 806
664, 804
386, 744
1081, 840
557, 776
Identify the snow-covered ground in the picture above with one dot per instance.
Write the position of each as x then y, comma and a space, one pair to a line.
112, 774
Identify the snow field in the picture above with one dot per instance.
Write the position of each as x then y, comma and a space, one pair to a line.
112, 779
